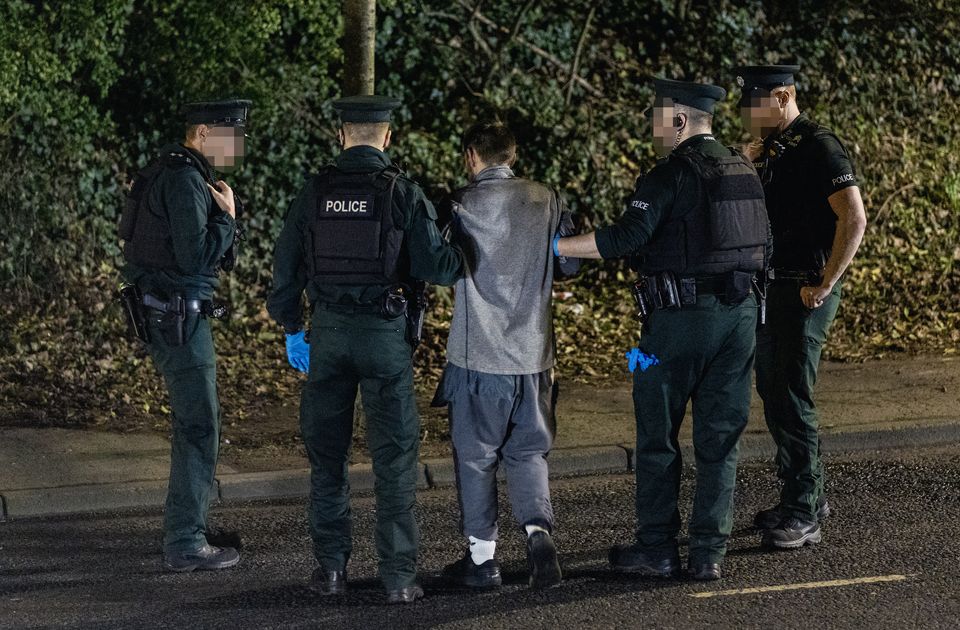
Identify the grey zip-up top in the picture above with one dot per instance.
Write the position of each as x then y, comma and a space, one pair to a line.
502, 319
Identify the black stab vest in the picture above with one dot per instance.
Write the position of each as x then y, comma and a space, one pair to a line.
726, 230
351, 237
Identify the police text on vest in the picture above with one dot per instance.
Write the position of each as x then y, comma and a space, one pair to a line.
343, 205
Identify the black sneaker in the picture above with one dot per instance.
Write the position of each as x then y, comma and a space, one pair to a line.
542, 560
325, 582
223, 538
704, 571
466, 572
770, 518
792, 533
631, 559
205, 558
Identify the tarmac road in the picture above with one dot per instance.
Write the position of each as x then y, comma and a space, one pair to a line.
891, 544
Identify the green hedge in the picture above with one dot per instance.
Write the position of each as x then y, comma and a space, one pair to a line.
89, 89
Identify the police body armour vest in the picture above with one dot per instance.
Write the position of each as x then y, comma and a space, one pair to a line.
726, 231
351, 237
144, 229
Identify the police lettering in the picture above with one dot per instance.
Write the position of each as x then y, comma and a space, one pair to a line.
843, 179
640, 205
343, 205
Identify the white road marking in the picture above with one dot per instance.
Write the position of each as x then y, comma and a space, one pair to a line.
805, 585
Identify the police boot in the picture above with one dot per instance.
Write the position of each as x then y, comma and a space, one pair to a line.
466, 572
405, 595
542, 560
704, 571
324, 582
205, 558
792, 533
632, 559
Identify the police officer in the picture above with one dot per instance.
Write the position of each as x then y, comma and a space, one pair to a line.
698, 228
179, 233
818, 221
355, 238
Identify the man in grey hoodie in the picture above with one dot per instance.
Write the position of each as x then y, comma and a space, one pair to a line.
499, 382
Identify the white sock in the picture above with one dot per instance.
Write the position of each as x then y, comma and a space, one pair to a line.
531, 529
481, 550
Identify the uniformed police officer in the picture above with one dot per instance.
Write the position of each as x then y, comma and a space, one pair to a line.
356, 236
698, 227
818, 221
181, 233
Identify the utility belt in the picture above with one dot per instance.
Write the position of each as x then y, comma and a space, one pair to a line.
804, 278
173, 313
400, 299
667, 291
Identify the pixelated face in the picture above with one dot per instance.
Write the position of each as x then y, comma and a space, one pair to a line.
664, 131
224, 147
760, 112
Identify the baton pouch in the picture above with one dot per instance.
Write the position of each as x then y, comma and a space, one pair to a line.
739, 284
171, 322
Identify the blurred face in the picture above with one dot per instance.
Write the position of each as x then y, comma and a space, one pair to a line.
664, 131
761, 112
224, 147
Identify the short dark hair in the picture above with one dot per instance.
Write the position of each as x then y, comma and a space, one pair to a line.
493, 142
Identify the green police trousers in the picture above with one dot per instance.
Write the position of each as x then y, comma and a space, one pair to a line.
704, 352
190, 372
788, 355
350, 351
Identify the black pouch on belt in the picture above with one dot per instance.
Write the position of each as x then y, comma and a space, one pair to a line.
739, 284
171, 323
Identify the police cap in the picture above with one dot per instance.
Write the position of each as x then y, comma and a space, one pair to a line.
228, 113
366, 108
766, 78
702, 96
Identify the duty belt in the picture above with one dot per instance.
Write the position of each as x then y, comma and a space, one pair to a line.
184, 306
791, 275
706, 285
350, 308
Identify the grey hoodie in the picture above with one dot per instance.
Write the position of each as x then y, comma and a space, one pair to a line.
502, 319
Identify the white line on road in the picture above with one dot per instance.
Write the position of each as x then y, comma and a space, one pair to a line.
806, 585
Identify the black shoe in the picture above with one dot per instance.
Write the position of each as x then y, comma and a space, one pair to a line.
466, 572
770, 518
206, 558
704, 571
223, 538
792, 533
405, 595
325, 582
630, 559
542, 560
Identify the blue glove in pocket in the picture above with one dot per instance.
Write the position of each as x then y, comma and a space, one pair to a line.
298, 351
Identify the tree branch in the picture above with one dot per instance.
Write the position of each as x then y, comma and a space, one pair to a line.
502, 48
576, 57
540, 52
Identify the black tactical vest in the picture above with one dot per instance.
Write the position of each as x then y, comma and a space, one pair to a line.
145, 229
352, 238
725, 231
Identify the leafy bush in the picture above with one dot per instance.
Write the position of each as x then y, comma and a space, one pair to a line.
90, 89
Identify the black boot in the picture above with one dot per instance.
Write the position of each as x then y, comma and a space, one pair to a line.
631, 559
704, 571
405, 595
792, 533
223, 538
324, 582
770, 518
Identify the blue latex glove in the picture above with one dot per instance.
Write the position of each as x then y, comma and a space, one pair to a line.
298, 351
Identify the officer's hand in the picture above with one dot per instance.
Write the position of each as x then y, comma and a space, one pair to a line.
224, 198
298, 351
753, 150
813, 297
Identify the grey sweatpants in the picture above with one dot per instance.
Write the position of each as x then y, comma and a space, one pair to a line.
498, 418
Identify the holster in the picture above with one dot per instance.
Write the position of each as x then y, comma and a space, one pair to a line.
656, 292
132, 301
416, 314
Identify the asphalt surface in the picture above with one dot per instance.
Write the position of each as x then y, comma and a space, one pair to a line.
895, 519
